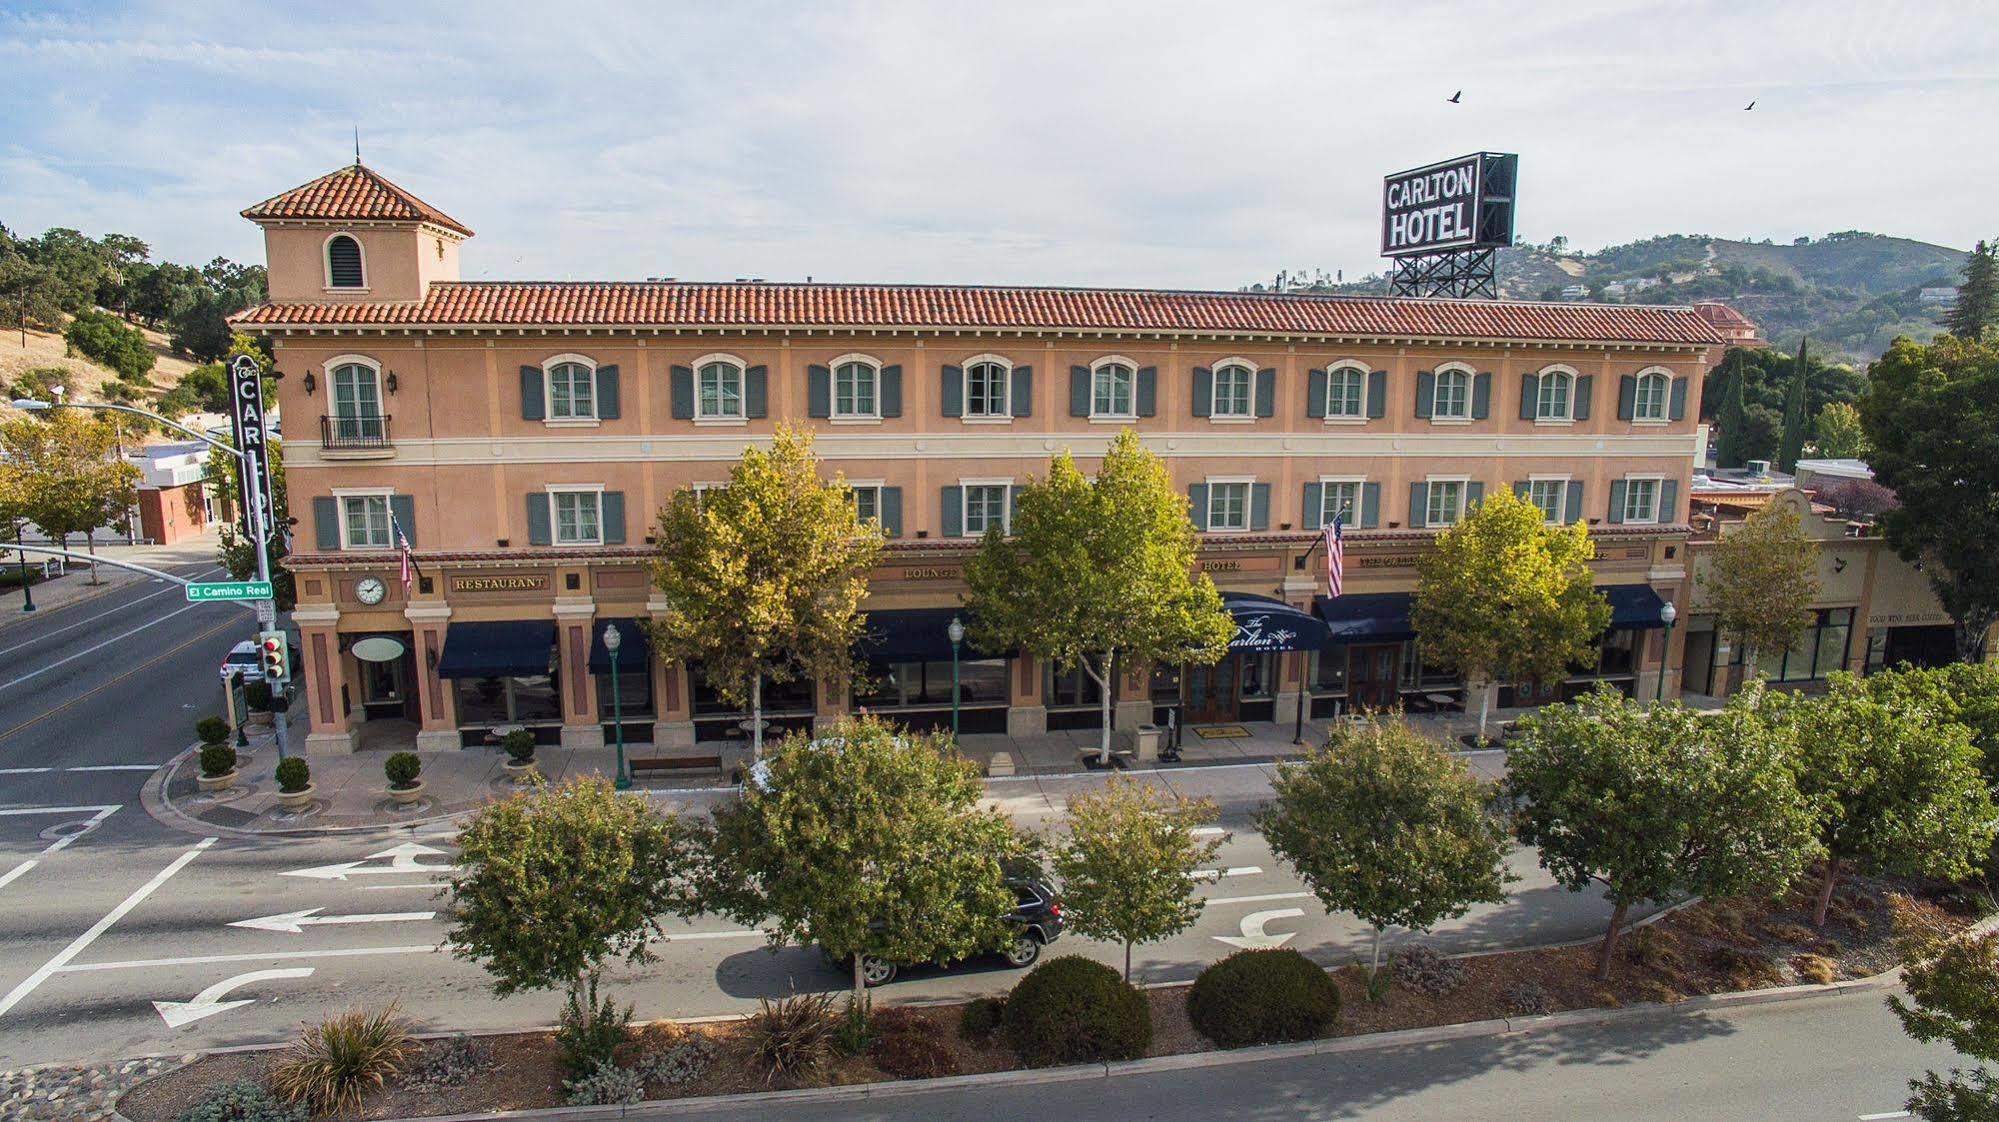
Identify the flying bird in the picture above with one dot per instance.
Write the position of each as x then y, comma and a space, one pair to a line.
1749, 106
1453, 99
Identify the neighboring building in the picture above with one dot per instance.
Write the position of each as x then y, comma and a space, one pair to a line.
1941, 294
1735, 329
1575, 292
174, 496
524, 434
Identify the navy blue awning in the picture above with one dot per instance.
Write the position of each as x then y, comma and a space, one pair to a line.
1265, 623
497, 649
634, 649
1367, 616
1632, 605
914, 635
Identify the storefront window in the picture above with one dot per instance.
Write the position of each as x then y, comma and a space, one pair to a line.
1259, 674
1818, 650
501, 701
917, 685
1075, 688
634, 693
1416, 675
1329, 670
1619, 654
778, 697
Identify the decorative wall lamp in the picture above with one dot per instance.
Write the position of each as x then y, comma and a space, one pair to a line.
390, 382
311, 383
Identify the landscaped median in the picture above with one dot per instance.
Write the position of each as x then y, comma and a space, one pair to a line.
1070, 1012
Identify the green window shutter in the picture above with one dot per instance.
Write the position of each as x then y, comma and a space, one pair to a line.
534, 399
1521, 487
607, 393
611, 515
1148, 390
1259, 506
1481, 395
1678, 401
1573, 508
539, 528
1315, 506
953, 521
402, 508
1426, 392
1204, 392
1585, 385
1370, 505
1197, 505
950, 390
1315, 394
1021, 401
1377, 393
1266, 392
891, 511
1474, 494
1530, 394
1669, 501
1627, 397
1079, 391
326, 522
818, 391
680, 385
756, 391
1419, 505
890, 391
1616, 512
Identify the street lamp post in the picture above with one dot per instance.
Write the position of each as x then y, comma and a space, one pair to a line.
1667, 614
612, 641
956, 633
27, 597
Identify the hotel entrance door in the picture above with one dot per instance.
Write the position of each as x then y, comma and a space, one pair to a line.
1211, 692
1371, 673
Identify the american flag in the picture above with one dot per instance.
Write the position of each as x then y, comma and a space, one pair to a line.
1336, 561
403, 551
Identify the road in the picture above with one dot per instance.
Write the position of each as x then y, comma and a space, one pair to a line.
1834, 1059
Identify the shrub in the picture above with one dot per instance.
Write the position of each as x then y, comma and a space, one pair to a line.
679, 1063
1654, 948
212, 730
1263, 997
1815, 968
1421, 969
104, 338
588, 1033
217, 759
402, 768
240, 1100
1072, 1010
607, 1084
333, 1063
792, 1038
519, 744
1527, 999
257, 695
1744, 970
981, 1017
449, 1063
855, 1032
294, 774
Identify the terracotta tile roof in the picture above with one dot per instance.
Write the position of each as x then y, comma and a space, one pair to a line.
696, 304
353, 192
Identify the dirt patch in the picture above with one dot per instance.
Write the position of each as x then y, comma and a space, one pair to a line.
1713, 947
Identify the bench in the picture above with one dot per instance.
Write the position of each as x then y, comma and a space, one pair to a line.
673, 763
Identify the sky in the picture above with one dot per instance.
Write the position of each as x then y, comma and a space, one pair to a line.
1156, 144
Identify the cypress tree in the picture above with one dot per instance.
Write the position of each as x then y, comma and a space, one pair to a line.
1729, 453
1977, 303
1792, 445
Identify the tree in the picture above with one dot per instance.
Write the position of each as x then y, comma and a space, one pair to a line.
70, 478
1128, 861
1097, 571
764, 578
235, 551
1856, 500
1765, 375
1896, 786
1729, 453
1837, 432
869, 840
1792, 444
1953, 989
554, 883
104, 338
1506, 594
1977, 304
1761, 579
1383, 823
1658, 801
1932, 415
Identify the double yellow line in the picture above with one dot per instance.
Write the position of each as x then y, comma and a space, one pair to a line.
102, 686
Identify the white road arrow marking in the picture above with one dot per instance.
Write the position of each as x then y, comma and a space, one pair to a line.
1231, 871
402, 859
295, 923
1255, 937
207, 1003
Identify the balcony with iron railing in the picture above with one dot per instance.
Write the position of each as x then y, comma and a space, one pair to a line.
361, 437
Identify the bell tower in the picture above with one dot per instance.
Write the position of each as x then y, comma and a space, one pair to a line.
351, 236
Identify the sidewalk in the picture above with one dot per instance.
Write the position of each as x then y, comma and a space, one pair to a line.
74, 585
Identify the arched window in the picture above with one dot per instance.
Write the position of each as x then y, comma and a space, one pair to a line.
719, 390
987, 385
356, 395
1553, 396
1650, 402
1113, 390
1235, 387
856, 382
1453, 395
572, 391
343, 263
1346, 392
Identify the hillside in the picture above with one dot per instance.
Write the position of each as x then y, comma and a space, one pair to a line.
87, 379
1852, 292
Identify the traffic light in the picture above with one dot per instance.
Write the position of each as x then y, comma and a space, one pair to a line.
276, 659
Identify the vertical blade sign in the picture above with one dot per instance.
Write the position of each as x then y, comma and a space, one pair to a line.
246, 391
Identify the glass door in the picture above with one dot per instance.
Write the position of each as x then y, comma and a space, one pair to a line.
1211, 692
1371, 674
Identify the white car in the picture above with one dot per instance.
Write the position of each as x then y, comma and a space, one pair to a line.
244, 659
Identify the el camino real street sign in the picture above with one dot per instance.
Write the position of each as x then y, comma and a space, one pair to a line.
200, 592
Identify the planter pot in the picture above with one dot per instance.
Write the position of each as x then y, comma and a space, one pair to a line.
212, 783
407, 796
296, 800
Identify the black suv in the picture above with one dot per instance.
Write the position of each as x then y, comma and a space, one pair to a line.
1036, 920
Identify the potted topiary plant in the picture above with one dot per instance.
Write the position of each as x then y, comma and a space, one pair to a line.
294, 783
257, 695
218, 767
402, 769
212, 730
520, 754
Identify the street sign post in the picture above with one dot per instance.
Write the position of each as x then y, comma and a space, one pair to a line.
200, 592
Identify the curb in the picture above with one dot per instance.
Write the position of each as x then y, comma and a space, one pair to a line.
153, 798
